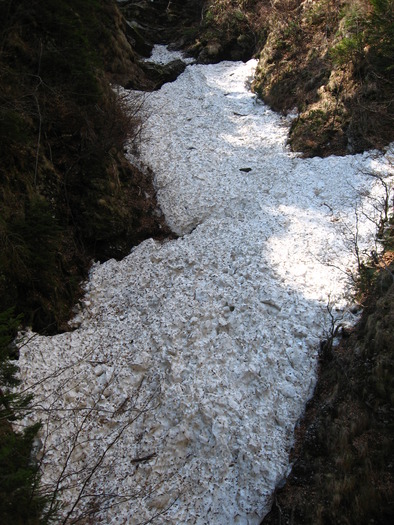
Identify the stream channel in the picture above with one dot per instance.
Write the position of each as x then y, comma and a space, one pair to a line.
175, 397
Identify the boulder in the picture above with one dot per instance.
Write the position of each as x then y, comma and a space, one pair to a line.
159, 74
136, 37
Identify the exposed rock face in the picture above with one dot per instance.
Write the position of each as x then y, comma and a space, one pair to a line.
149, 23
164, 21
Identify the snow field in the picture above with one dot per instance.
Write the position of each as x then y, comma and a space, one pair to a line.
192, 360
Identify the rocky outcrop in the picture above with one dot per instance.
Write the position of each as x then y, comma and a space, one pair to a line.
163, 21
159, 74
135, 35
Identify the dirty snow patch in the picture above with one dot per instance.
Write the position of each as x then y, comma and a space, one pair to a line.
193, 359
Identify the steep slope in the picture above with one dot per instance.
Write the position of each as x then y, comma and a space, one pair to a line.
330, 60
67, 192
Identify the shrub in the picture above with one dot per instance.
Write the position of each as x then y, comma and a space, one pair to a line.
350, 47
380, 35
20, 501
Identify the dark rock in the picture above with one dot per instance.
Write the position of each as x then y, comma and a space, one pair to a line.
135, 35
211, 53
163, 21
160, 74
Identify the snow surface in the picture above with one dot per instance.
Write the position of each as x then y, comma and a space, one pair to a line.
193, 359
162, 55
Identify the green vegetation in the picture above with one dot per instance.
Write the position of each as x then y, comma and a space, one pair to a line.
341, 57
366, 38
228, 30
20, 500
380, 34
49, 91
